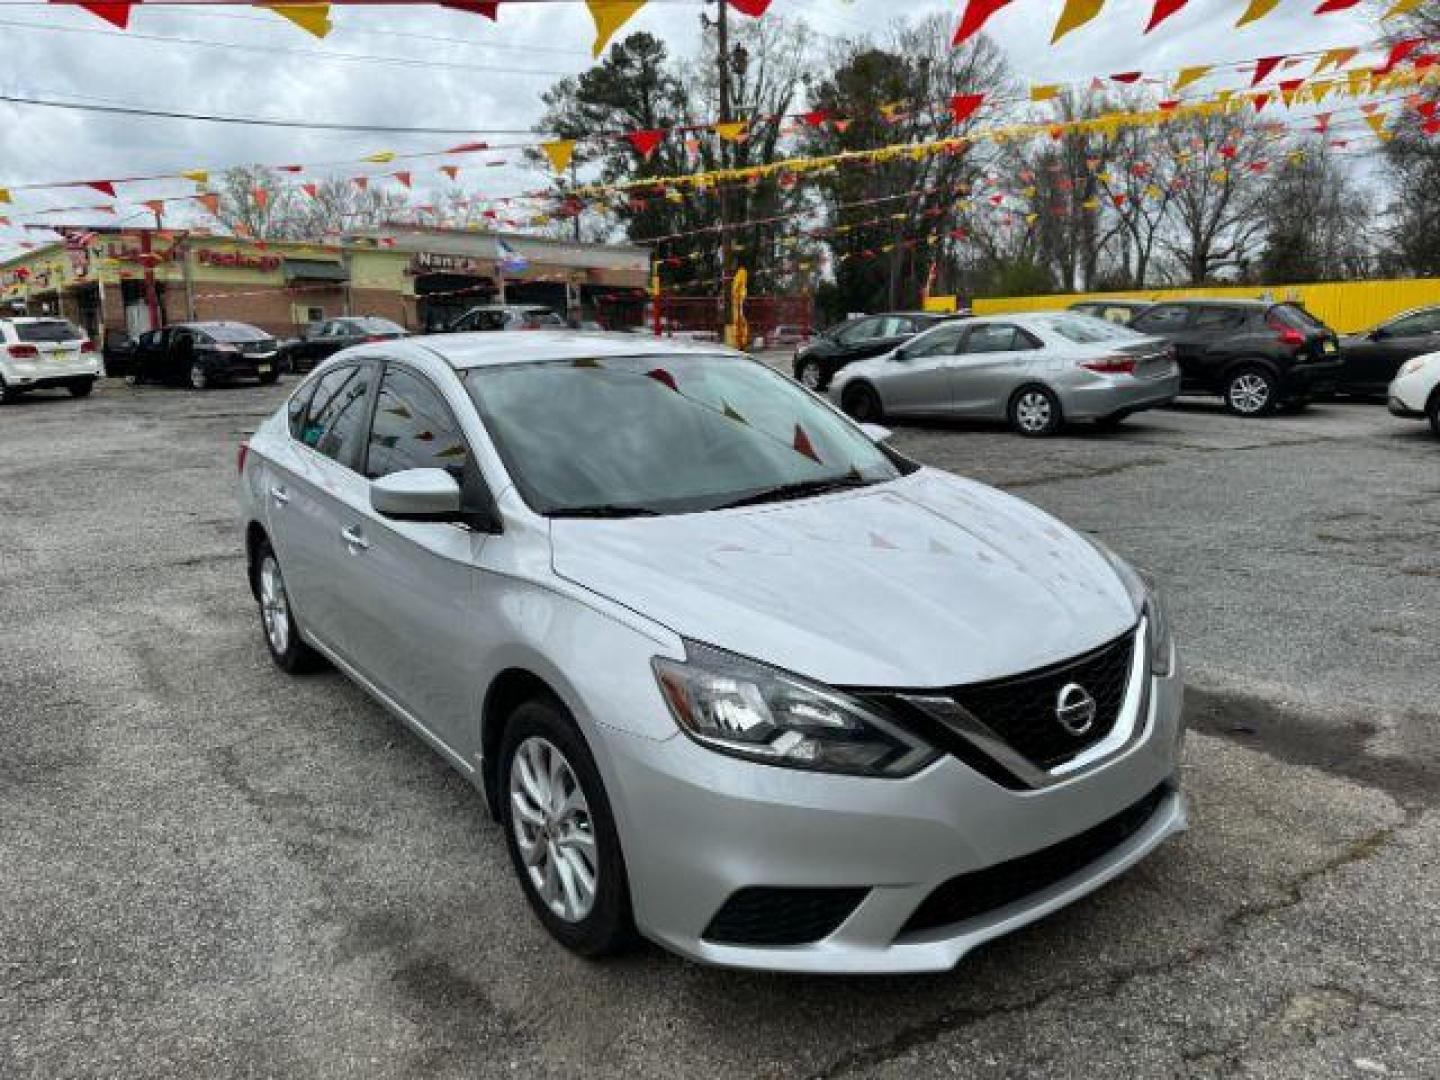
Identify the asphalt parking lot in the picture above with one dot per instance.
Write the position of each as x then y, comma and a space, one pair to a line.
210, 869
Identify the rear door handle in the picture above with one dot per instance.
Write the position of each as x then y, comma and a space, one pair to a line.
280, 495
354, 539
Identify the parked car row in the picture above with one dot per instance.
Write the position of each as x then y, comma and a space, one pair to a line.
1103, 360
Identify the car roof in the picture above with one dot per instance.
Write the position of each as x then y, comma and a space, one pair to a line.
203, 323
1117, 301
1219, 301
463, 351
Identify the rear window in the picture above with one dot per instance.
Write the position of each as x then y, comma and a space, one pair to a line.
1085, 330
49, 330
1296, 317
234, 332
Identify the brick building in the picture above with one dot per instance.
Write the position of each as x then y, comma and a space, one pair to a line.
128, 280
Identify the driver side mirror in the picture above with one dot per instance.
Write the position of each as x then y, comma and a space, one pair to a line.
901, 355
417, 495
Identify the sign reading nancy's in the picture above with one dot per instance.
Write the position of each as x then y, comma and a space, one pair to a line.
431, 262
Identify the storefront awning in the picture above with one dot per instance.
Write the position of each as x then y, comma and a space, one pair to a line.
315, 270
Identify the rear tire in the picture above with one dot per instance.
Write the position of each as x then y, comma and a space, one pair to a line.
277, 621
1250, 392
1035, 412
1434, 412
559, 829
82, 388
862, 404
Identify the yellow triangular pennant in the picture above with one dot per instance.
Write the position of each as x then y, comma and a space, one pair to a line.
314, 18
609, 16
1190, 75
1258, 9
559, 152
1076, 14
200, 176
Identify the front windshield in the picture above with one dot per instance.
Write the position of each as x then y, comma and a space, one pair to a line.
1086, 330
371, 325
671, 434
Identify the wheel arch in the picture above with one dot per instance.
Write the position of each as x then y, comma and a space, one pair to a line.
255, 535
1265, 363
509, 690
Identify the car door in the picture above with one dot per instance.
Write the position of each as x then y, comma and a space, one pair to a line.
414, 604
917, 378
314, 499
991, 366
1372, 360
1171, 322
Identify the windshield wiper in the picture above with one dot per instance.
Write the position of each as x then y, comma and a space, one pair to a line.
798, 490
602, 511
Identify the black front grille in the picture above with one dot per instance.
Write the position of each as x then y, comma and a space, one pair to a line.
782, 916
1021, 710
973, 894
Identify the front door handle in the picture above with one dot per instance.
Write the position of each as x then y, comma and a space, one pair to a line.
354, 539
280, 495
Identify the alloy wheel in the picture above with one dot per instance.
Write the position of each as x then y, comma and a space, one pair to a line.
274, 605
1249, 393
1033, 411
810, 376
198, 379
553, 829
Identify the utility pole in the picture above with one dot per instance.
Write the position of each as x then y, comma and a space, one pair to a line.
722, 33
574, 183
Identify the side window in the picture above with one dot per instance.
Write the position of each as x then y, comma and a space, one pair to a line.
1422, 322
414, 429
860, 331
990, 338
1218, 318
1116, 315
1161, 319
299, 402
336, 416
942, 342
895, 326
1025, 340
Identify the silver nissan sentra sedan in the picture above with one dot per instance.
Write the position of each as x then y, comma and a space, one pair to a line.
729, 671
1038, 371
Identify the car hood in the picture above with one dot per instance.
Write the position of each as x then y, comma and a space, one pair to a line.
928, 581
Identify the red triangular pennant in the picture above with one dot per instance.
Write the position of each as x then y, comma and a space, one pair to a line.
1163, 10
645, 142
1264, 66
963, 106
977, 14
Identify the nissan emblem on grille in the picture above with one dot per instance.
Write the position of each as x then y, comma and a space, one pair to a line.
1075, 709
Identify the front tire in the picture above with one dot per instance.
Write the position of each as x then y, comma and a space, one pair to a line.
561, 834
1035, 412
812, 376
1251, 392
862, 404
199, 377
277, 620
82, 388
1434, 412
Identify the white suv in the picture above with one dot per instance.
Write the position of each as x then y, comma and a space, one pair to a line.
44, 353
1415, 393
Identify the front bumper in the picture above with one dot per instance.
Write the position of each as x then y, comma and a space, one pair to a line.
699, 827
1109, 395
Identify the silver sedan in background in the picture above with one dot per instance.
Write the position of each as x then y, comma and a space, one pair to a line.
1038, 371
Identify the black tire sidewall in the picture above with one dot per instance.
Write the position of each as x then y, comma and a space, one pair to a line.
1435, 414
82, 388
609, 927
1271, 402
298, 657
861, 392
1057, 418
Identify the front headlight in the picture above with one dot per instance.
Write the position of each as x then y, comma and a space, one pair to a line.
1410, 367
745, 709
1146, 597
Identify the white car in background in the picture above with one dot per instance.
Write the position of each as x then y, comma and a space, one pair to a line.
46, 353
1415, 393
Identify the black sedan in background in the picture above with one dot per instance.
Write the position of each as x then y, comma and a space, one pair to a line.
1373, 359
324, 340
1257, 355
199, 354
857, 339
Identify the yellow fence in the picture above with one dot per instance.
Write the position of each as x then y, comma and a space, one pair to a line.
1347, 306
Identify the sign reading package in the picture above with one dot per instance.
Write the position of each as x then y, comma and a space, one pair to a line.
238, 260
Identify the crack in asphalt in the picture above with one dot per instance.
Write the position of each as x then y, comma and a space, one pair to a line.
1292, 893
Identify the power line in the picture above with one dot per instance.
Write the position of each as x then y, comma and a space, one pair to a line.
255, 121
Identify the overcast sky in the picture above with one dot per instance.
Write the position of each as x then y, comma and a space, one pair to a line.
459, 71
